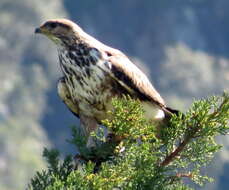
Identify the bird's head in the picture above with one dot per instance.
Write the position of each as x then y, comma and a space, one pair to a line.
60, 31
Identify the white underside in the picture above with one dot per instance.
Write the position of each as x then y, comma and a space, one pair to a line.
152, 112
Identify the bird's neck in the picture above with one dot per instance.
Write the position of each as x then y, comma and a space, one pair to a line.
79, 53
71, 44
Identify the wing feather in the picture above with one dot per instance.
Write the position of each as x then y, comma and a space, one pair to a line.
65, 96
132, 78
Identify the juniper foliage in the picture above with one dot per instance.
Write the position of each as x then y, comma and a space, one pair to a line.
140, 160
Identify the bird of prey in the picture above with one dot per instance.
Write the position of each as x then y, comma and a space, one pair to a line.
94, 73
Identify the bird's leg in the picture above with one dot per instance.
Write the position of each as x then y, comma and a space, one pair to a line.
88, 125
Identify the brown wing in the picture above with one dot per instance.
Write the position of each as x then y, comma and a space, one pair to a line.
132, 78
129, 76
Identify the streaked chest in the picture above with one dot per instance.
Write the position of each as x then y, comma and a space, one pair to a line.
86, 74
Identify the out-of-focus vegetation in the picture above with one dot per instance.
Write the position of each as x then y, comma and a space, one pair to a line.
25, 76
184, 45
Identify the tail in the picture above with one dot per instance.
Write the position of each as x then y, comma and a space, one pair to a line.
173, 111
169, 112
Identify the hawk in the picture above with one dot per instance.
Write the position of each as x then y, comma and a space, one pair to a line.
94, 73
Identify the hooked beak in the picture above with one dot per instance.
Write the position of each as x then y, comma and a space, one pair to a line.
38, 31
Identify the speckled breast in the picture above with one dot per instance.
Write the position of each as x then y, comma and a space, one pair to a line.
87, 81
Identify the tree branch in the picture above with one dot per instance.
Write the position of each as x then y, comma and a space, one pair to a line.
179, 149
188, 175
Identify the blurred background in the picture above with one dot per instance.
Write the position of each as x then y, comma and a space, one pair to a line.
182, 45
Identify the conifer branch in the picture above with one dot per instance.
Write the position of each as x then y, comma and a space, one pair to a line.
190, 134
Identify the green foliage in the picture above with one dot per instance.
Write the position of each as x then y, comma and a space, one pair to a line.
55, 171
140, 160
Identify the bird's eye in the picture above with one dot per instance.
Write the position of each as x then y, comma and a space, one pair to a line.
53, 25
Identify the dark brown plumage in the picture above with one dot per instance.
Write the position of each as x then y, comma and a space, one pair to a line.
95, 73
